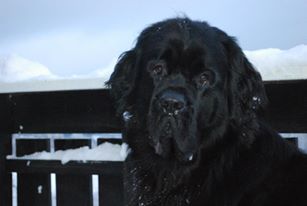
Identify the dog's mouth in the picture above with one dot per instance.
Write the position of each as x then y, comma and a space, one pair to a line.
165, 141
169, 128
163, 137
168, 150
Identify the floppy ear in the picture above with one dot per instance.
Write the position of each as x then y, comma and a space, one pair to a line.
247, 96
122, 80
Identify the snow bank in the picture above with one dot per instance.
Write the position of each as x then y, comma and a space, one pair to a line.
103, 152
16, 68
18, 74
276, 64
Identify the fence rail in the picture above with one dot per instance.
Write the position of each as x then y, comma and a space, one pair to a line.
91, 111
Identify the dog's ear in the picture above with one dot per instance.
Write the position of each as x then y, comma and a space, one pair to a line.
122, 80
246, 94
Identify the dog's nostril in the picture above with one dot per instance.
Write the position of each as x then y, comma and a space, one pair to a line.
178, 105
164, 103
172, 102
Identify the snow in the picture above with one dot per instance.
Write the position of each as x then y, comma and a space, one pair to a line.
276, 64
127, 116
125, 150
40, 189
103, 152
16, 68
20, 74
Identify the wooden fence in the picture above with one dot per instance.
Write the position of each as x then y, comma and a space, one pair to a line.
91, 111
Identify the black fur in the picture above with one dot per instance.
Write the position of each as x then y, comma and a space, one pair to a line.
217, 150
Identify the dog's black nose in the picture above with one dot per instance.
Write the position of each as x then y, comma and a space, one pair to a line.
172, 102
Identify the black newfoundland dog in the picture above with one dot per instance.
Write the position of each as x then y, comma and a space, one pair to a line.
192, 105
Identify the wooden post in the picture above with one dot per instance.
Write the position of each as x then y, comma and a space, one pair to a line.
5, 177
73, 189
33, 189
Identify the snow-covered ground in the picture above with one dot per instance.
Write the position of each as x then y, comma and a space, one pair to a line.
20, 74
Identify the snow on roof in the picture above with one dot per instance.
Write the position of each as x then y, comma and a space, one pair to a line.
276, 64
103, 152
14, 68
18, 74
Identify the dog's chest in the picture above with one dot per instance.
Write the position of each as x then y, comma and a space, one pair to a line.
163, 192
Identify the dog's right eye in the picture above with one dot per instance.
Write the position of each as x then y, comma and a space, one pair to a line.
158, 69
204, 79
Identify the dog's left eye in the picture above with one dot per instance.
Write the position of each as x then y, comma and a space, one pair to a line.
203, 80
158, 69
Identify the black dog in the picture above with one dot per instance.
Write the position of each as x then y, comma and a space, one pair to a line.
192, 106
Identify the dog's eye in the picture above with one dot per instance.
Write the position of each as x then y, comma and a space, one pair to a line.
157, 70
203, 80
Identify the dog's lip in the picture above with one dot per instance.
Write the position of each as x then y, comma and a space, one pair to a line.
184, 158
158, 148
168, 128
163, 148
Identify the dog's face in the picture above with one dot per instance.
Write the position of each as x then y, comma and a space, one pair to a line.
188, 94
186, 82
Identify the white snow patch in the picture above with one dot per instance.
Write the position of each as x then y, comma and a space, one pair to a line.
127, 116
276, 64
16, 68
125, 150
103, 152
40, 189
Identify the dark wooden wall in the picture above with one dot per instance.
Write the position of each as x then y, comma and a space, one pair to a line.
92, 110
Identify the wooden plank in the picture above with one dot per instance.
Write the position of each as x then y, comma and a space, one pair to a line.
92, 110
33, 189
5, 176
110, 185
111, 190
73, 189
65, 111
6, 117
287, 109
5, 149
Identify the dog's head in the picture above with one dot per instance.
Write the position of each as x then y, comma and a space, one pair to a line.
186, 82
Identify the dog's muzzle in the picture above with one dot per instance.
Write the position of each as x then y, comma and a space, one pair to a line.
171, 108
